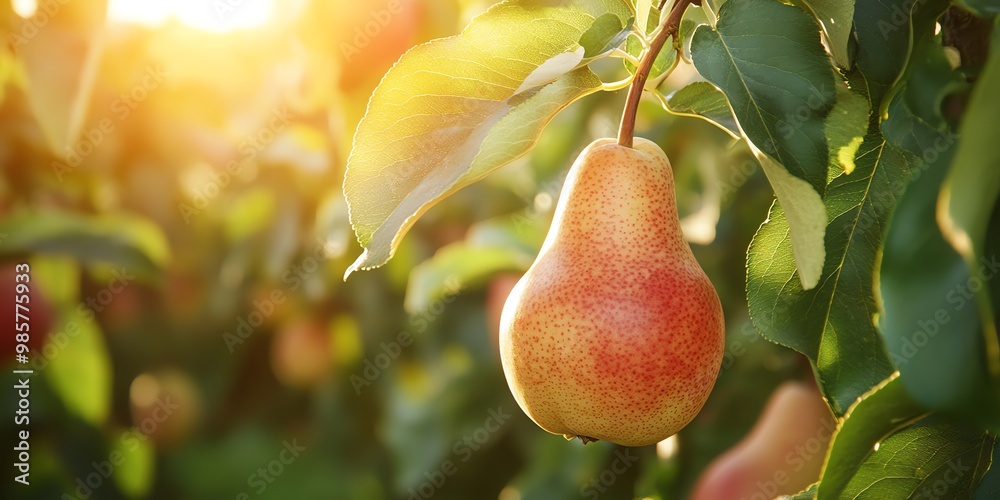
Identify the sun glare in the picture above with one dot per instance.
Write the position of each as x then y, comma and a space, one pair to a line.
217, 16
24, 8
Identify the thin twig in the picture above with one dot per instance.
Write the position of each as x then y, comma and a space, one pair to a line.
669, 28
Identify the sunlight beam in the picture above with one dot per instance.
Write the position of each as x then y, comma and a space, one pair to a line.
216, 16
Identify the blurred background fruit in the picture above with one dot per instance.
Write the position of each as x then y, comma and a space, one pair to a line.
39, 312
372, 35
166, 407
496, 296
783, 453
301, 354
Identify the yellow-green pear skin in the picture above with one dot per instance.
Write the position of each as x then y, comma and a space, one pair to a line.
615, 333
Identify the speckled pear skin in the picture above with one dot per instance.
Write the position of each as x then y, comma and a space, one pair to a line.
615, 333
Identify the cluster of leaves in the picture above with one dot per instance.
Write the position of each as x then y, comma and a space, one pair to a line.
886, 213
149, 201
872, 122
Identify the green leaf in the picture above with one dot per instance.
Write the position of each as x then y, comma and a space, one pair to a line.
886, 34
667, 57
434, 403
492, 246
806, 494
934, 336
930, 459
883, 43
845, 128
554, 467
989, 486
235, 455
836, 17
970, 193
59, 277
993, 292
805, 215
914, 121
985, 8
80, 371
768, 60
136, 472
455, 109
704, 100
643, 18
832, 324
59, 91
123, 239
883, 410
606, 33
249, 213
455, 267
713, 7
972, 188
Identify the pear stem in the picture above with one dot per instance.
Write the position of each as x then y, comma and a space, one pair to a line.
670, 26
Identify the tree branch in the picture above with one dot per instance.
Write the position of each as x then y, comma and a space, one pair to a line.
670, 27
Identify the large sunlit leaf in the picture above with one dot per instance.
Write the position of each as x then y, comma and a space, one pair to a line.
453, 110
704, 100
768, 59
122, 239
832, 324
877, 414
837, 18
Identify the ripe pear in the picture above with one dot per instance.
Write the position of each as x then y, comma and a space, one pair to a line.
615, 332
783, 453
